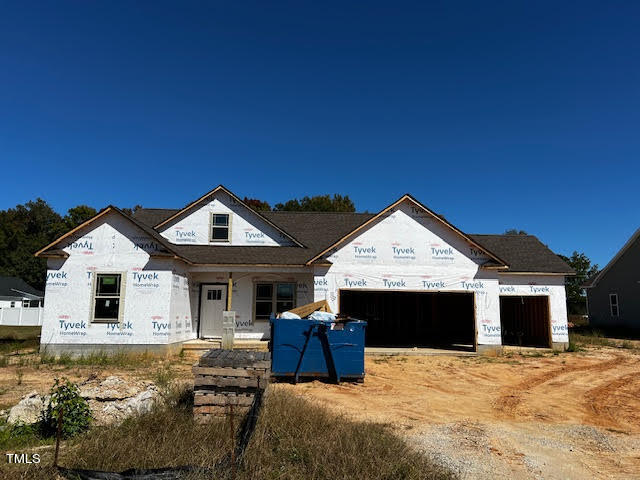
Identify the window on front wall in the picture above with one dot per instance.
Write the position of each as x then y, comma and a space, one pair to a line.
273, 298
107, 298
613, 304
220, 227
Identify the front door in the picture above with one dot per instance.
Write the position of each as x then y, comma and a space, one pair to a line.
214, 300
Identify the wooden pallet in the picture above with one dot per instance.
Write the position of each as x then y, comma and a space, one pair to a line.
228, 377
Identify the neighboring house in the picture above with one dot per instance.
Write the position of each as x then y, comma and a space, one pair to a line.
613, 295
19, 302
162, 277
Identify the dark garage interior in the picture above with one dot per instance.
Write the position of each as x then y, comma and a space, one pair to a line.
413, 319
524, 321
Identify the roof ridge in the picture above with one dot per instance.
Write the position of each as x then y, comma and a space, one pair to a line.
154, 208
297, 211
502, 235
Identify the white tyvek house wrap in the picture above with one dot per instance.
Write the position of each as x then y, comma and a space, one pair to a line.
409, 250
111, 244
182, 326
243, 296
542, 285
247, 228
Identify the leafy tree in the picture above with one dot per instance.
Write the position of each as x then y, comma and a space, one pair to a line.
78, 215
318, 203
515, 231
24, 230
131, 211
76, 415
27, 228
576, 298
258, 205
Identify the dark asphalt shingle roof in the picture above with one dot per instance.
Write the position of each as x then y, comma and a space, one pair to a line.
319, 230
523, 253
153, 216
315, 230
9, 285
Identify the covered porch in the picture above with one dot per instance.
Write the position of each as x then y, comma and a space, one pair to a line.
253, 295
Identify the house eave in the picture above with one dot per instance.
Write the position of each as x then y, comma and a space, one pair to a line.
557, 274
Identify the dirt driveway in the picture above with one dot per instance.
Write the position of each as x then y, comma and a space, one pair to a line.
573, 415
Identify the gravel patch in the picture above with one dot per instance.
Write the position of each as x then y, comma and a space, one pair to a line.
540, 451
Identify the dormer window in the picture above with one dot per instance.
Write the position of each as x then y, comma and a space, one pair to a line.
220, 227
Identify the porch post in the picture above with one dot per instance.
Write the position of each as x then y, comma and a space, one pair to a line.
230, 291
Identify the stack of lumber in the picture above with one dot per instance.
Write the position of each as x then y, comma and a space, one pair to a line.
228, 377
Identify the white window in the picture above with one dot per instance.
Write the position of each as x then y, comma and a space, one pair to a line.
220, 227
273, 298
25, 303
13, 304
107, 298
613, 304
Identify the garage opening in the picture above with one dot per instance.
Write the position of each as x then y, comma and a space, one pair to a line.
524, 321
413, 319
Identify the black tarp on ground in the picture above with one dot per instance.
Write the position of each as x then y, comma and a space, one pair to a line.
413, 319
524, 321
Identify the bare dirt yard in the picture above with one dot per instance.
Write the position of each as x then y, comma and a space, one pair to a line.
551, 416
571, 415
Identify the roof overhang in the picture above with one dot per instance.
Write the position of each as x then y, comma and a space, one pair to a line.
500, 263
557, 274
50, 251
30, 296
624, 248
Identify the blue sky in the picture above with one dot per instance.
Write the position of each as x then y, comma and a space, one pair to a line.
494, 114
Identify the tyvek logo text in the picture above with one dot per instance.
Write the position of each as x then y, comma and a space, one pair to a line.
160, 327
400, 283
85, 245
355, 283
403, 253
146, 279
185, 236
120, 329
535, 289
69, 327
57, 279
364, 252
441, 253
256, 237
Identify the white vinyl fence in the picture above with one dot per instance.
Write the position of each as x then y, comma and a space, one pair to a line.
21, 317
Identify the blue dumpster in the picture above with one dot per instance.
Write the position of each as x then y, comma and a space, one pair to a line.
317, 348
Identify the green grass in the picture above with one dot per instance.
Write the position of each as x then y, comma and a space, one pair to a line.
16, 437
595, 337
590, 337
294, 439
573, 347
14, 340
627, 345
19, 333
101, 359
